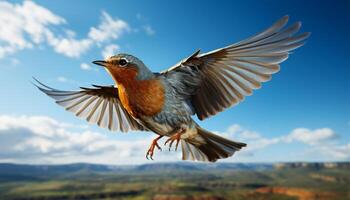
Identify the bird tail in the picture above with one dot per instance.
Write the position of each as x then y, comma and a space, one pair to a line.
207, 146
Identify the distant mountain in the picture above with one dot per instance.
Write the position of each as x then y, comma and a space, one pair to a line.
24, 172
313, 165
202, 166
9, 168
10, 171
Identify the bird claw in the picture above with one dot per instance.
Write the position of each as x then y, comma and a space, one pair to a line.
176, 137
150, 152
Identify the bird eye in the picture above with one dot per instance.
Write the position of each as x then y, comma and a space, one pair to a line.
123, 62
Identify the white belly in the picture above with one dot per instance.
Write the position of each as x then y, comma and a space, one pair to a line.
167, 130
160, 129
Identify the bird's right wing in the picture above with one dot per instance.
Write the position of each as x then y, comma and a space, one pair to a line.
219, 79
99, 105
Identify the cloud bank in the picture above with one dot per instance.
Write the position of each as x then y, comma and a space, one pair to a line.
29, 25
322, 142
41, 139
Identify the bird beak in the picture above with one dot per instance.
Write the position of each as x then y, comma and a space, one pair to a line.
100, 62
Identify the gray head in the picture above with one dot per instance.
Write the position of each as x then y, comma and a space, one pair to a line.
125, 66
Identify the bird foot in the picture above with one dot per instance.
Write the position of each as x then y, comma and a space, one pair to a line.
150, 151
176, 137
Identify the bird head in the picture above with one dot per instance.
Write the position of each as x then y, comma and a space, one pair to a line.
124, 67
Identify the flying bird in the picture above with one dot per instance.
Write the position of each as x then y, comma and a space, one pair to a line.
201, 84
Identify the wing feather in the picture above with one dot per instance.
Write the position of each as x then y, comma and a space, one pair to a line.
229, 74
100, 105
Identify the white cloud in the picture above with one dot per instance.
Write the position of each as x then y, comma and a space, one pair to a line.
69, 46
342, 151
253, 139
15, 62
237, 130
335, 151
311, 137
320, 142
28, 25
21, 21
110, 50
108, 29
149, 30
40, 139
62, 79
87, 67
36, 20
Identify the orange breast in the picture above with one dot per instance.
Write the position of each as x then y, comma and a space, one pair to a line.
142, 97
138, 97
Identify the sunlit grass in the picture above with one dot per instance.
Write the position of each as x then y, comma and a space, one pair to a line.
228, 184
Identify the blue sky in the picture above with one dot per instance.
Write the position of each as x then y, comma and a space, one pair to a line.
303, 113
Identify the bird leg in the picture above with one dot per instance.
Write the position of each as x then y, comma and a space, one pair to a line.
175, 137
154, 144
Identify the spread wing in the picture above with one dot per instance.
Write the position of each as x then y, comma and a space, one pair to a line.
99, 105
223, 77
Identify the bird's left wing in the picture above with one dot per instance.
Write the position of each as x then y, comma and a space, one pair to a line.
222, 78
100, 105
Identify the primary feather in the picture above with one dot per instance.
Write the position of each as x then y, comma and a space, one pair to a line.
219, 79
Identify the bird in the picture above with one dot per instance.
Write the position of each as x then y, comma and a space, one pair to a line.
200, 85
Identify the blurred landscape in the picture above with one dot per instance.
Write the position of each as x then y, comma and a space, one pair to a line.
176, 181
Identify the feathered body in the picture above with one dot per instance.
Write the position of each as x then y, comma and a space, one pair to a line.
202, 85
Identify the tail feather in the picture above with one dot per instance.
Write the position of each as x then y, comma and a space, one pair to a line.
207, 146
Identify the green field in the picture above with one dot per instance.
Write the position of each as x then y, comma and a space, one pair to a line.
170, 181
